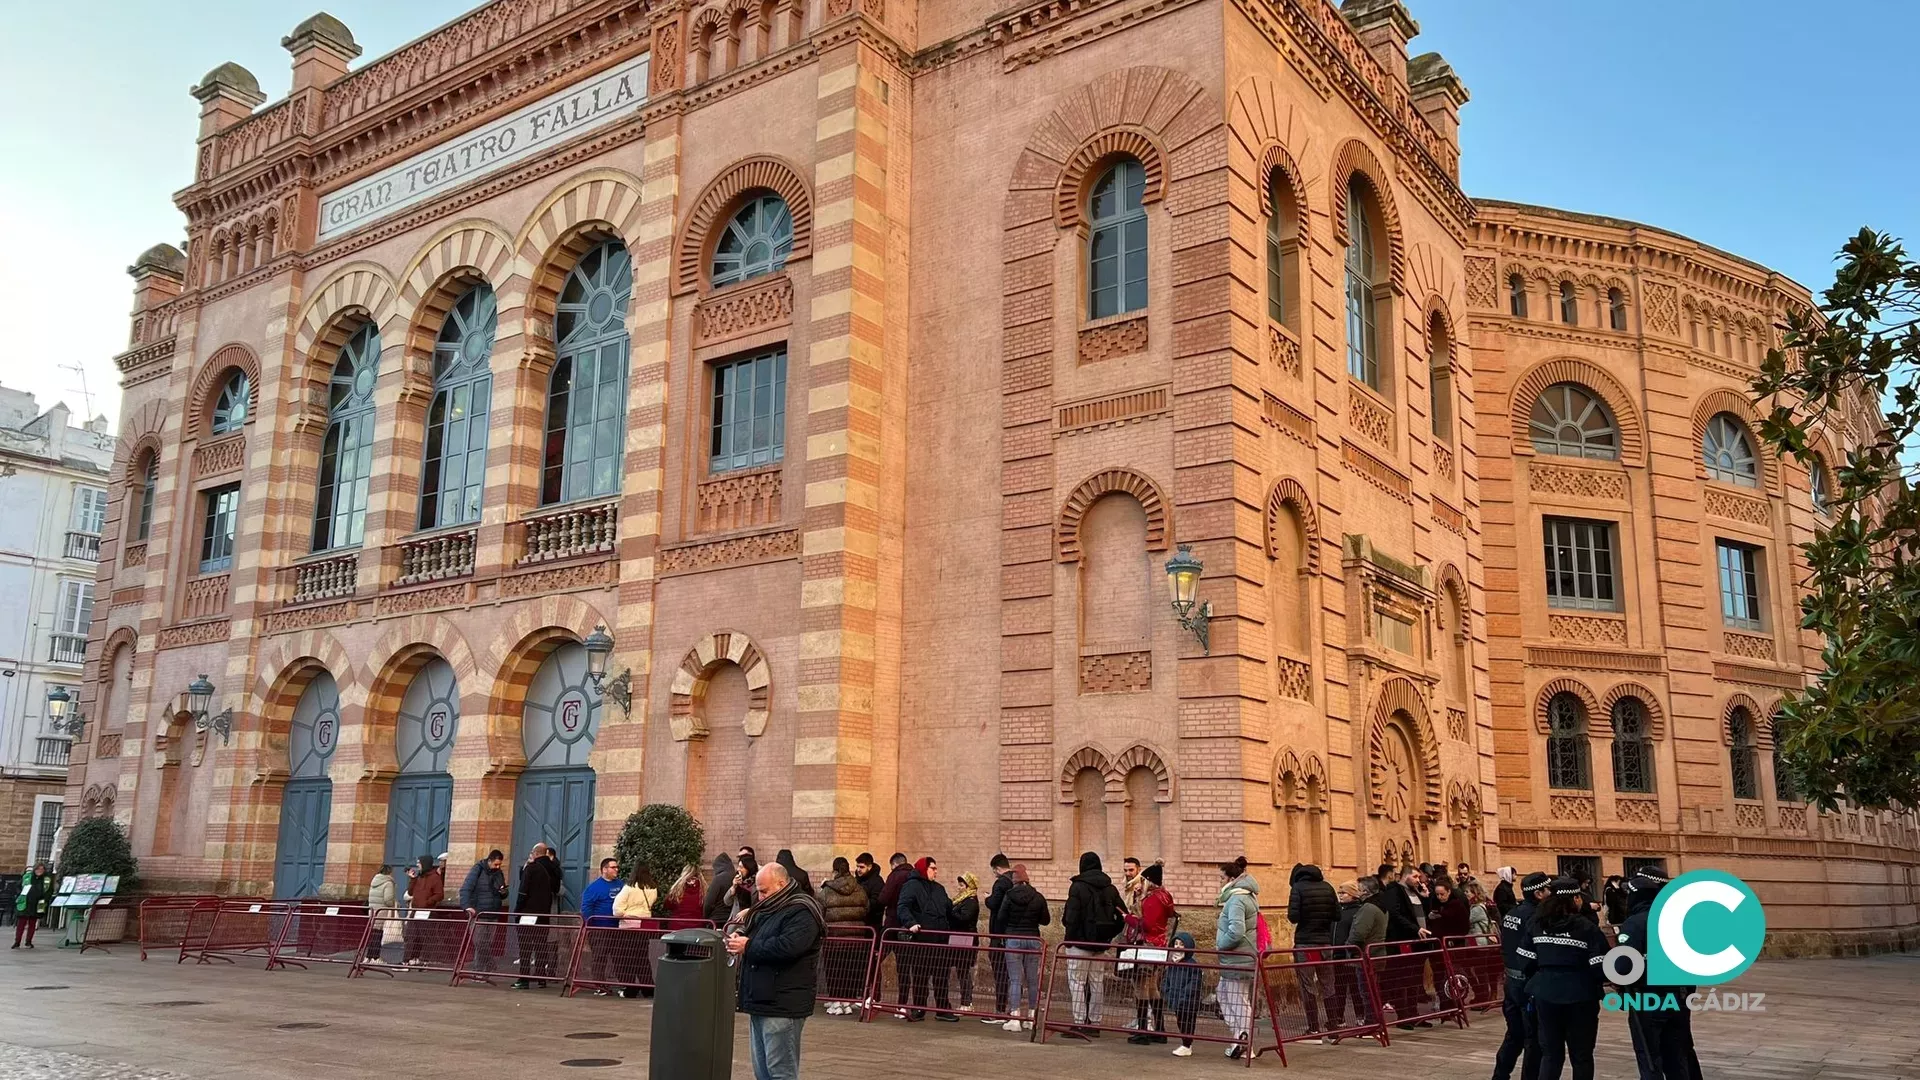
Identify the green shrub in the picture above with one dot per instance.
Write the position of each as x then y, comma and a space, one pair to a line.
663, 838
99, 846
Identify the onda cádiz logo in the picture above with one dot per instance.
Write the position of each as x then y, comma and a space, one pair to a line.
1705, 927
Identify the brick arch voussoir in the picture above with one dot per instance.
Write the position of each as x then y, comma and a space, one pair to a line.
1722, 400
143, 431
1354, 158
1290, 494
1086, 757
1287, 767
1565, 685
1400, 695
406, 648
1142, 756
1088, 163
525, 642
207, 382
355, 291
1109, 482
1451, 582
602, 204
462, 255
1626, 418
1656, 716
687, 691
722, 195
1741, 700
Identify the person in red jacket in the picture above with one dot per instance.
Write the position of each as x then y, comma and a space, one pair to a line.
1156, 927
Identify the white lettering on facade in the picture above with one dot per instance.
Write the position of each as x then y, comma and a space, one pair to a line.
573, 111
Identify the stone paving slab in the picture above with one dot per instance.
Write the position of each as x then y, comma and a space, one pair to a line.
115, 1018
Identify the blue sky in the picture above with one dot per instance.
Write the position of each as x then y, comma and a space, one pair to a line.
1739, 124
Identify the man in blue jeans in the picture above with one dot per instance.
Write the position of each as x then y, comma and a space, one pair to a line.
780, 951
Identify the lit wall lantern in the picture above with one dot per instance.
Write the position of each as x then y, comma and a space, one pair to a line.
599, 646
1183, 583
64, 712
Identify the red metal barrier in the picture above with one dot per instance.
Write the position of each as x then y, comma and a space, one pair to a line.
1477, 960
164, 921
846, 965
1319, 992
536, 946
1398, 975
317, 932
935, 971
619, 957
431, 939
242, 928
1201, 995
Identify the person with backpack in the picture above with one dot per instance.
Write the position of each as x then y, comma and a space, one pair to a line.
1239, 936
1156, 923
1093, 916
1314, 910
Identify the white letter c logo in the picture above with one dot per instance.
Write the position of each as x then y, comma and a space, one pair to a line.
1672, 928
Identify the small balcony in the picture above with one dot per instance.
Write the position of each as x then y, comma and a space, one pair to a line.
568, 532
438, 557
326, 578
54, 750
83, 545
67, 649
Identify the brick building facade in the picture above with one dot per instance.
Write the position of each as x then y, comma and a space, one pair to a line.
859, 365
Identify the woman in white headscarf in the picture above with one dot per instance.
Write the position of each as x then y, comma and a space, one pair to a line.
1503, 897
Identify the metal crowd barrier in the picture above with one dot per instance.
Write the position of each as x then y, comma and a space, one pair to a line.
1319, 992
1399, 971
318, 932
241, 929
934, 971
534, 945
612, 957
1477, 960
1198, 995
431, 939
847, 953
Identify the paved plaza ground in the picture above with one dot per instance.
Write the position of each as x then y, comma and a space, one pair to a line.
111, 1017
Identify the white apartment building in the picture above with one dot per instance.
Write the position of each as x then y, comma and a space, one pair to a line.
53, 504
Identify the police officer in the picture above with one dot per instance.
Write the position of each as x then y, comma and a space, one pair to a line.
1520, 1027
1662, 1038
1562, 959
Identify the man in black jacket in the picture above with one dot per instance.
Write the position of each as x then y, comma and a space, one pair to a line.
868, 875
1314, 910
889, 900
485, 889
780, 951
1662, 1037
996, 929
539, 892
1522, 1041
1093, 915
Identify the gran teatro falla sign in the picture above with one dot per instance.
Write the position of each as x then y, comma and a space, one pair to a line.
586, 105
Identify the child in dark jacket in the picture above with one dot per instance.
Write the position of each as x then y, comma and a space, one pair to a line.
1180, 988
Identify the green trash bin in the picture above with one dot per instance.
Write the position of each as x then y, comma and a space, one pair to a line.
693, 998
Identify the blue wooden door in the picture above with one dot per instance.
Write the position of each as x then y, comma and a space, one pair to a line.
418, 813
301, 864
555, 806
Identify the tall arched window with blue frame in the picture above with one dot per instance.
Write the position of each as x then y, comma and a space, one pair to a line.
587, 390
346, 455
455, 468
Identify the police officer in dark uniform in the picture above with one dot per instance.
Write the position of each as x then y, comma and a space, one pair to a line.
1662, 1038
1520, 1029
1562, 959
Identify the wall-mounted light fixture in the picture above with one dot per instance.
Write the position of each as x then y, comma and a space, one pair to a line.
599, 645
1183, 580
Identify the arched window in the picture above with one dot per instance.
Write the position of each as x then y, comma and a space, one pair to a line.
1567, 761
346, 457
1727, 453
587, 391
1117, 244
1440, 376
1632, 748
756, 242
1279, 226
1517, 295
1819, 485
1616, 309
1784, 788
1363, 335
230, 408
1569, 304
149, 480
1569, 420
456, 445
1742, 756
